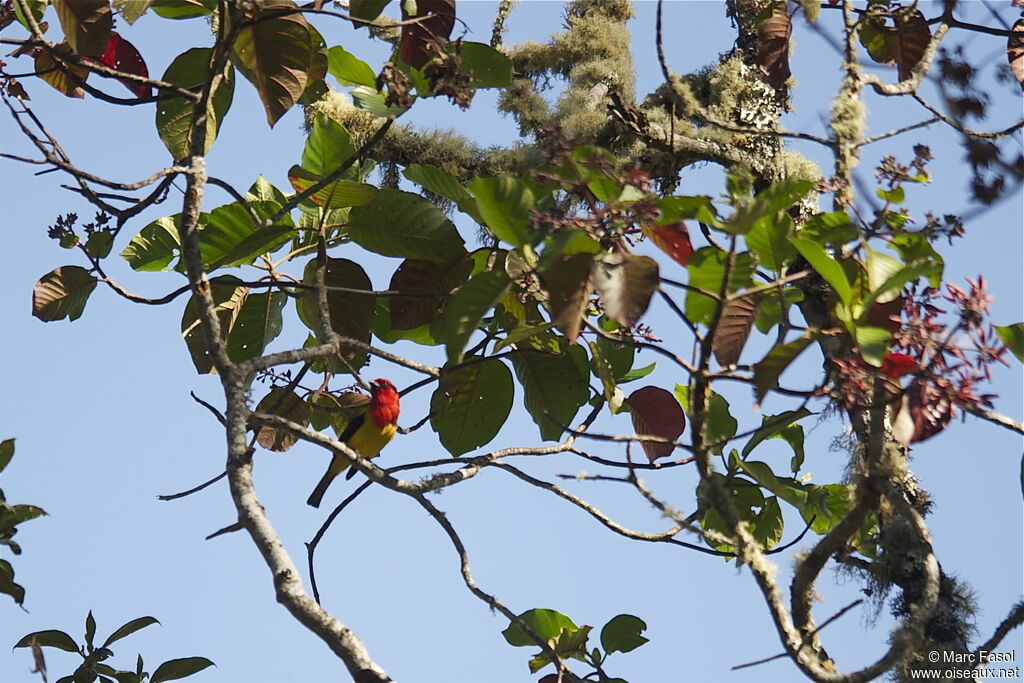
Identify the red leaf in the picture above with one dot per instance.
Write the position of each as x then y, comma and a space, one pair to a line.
1015, 51
122, 56
656, 412
895, 365
673, 239
911, 40
421, 41
773, 48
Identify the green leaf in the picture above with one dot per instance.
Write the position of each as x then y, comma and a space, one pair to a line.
328, 146
489, 68
86, 25
893, 196
720, 425
62, 293
637, 373
350, 311
37, 8
57, 639
771, 201
675, 209
767, 372
6, 453
257, 323
174, 669
229, 237
182, 9
90, 629
275, 53
706, 268
770, 312
881, 268
626, 283
439, 182
554, 389
228, 297
349, 69
190, 70
914, 248
767, 239
786, 488
7, 584
338, 194
547, 624
466, 308
622, 634
826, 505
129, 628
773, 426
834, 228
505, 204
366, 9
405, 225
131, 10
890, 289
873, 343
99, 243
826, 267
1012, 337
155, 246
372, 101
768, 525
470, 404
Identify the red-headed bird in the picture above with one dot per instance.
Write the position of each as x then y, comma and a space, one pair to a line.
367, 433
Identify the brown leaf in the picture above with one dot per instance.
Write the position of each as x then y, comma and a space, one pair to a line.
656, 412
60, 76
733, 328
1015, 51
626, 283
409, 312
568, 285
673, 239
421, 41
86, 24
881, 315
912, 39
773, 48
286, 404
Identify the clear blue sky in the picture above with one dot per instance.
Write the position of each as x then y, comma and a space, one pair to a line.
104, 423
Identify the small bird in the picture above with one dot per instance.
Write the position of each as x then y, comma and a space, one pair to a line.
367, 433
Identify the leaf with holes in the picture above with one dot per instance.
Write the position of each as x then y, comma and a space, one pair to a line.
470, 405
257, 323
773, 48
1015, 51
554, 389
189, 70
289, 405
228, 296
275, 53
86, 25
422, 40
626, 283
62, 293
656, 412
734, 328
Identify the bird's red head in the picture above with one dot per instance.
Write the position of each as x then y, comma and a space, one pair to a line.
383, 402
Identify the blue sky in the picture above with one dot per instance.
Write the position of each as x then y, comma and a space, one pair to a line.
104, 423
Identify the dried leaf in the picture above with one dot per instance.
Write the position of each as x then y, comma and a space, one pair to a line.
912, 39
773, 48
568, 285
626, 284
421, 41
733, 328
656, 412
